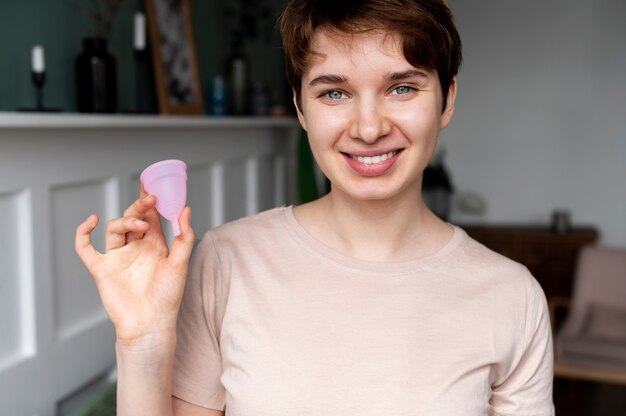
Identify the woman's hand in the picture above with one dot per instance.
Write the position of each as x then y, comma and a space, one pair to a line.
140, 284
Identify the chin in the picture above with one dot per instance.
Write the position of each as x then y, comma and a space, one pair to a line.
370, 195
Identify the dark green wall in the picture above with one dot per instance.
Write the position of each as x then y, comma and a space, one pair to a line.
60, 29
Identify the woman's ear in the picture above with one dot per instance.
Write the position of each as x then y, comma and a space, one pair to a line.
297, 103
446, 116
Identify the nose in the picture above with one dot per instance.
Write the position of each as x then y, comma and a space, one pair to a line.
370, 121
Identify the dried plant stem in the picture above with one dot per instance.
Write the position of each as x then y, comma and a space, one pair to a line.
101, 13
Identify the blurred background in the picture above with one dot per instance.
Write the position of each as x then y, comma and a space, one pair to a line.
533, 166
539, 122
60, 26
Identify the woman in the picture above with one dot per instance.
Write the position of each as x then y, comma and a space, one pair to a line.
360, 303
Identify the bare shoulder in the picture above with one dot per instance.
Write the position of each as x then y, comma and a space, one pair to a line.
183, 408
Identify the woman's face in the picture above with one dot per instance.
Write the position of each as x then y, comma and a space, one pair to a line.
372, 118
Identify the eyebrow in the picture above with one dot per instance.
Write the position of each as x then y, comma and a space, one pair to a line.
391, 76
328, 79
411, 73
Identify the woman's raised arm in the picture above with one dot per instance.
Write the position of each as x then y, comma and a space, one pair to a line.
141, 285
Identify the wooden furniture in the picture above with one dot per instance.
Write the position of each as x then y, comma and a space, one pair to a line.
549, 256
600, 376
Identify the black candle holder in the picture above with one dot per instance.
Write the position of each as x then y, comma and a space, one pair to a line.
39, 80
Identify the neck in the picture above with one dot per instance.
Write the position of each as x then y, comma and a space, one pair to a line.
397, 229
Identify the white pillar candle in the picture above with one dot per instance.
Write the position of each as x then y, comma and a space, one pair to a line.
37, 59
140, 32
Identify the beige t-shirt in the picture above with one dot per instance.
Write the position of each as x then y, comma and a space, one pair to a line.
274, 323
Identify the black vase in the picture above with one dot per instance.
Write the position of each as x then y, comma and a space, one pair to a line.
96, 80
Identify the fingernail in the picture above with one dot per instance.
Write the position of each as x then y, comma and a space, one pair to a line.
139, 223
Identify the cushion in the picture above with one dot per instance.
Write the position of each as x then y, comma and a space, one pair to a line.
606, 323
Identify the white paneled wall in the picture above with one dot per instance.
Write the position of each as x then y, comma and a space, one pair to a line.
55, 170
16, 294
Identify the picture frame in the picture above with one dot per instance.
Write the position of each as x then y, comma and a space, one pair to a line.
174, 57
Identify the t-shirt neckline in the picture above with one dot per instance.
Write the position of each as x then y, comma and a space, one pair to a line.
305, 239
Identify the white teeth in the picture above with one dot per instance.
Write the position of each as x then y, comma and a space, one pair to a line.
369, 160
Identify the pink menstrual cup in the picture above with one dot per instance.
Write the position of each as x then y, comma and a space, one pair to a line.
167, 180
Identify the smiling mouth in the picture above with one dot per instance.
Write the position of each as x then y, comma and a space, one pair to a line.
371, 160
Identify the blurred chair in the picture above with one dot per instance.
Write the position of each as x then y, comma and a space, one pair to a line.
591, 344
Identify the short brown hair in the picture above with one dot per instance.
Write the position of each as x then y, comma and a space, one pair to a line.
429, 36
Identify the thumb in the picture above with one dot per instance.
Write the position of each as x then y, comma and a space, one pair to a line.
83, 246
183, 244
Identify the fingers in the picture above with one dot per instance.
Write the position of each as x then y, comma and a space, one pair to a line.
118, 228
82, 243
144, 209
183, 244
141, 207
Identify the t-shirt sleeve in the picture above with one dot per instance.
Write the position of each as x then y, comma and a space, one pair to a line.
198, 360
527, 389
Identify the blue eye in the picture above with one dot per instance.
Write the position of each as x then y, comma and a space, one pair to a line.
333, 95
403, 90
